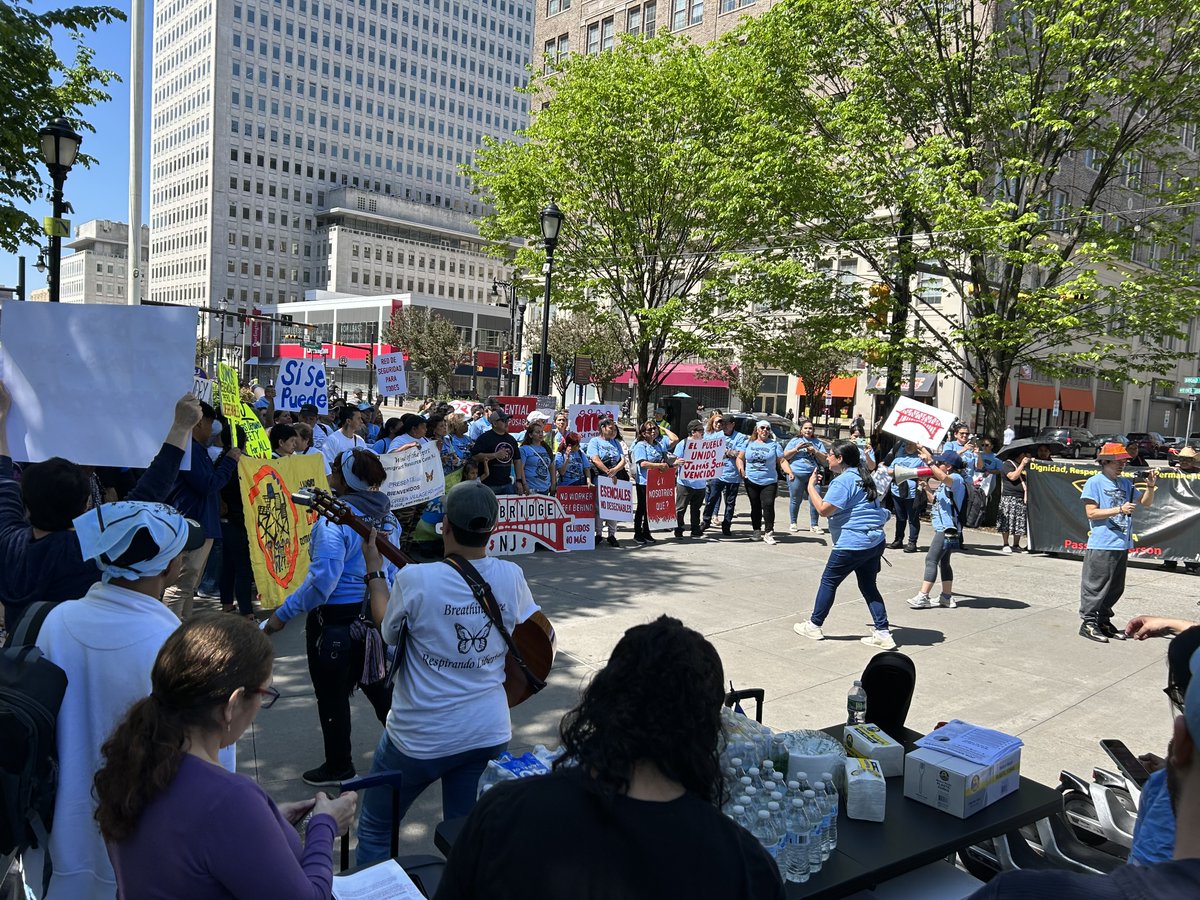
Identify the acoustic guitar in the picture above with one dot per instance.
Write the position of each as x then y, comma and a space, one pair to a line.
534, 638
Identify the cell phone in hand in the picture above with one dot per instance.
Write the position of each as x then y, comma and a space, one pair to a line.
1131, 767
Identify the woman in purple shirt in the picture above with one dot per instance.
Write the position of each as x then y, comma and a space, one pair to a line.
177, 824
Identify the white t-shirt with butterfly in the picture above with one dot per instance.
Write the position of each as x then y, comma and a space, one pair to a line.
449, 694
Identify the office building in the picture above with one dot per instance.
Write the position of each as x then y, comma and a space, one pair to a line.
94, 272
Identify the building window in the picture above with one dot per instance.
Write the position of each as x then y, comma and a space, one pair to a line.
593, 39
633, 20
553, 7
606, 34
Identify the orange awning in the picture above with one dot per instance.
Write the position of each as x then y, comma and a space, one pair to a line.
1035, 396
1007, 394
844, 388
1076, 400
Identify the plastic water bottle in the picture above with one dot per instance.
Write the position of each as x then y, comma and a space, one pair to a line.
755, 777
779, 753
764, 829
816, 834
738, 814
779, 829
856, 705
796, 850
823, 803
832, 793
793, 791
802, 780
753, 802
767, 769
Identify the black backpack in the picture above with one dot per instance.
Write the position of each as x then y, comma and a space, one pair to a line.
31, 692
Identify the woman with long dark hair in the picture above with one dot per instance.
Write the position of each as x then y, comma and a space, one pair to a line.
332, 597
649, 452
390, 429
177, 824
856, 520
639, 786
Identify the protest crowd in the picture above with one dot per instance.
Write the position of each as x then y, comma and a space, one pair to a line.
149, 591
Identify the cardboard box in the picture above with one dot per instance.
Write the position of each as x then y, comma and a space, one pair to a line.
957, 786
870, 742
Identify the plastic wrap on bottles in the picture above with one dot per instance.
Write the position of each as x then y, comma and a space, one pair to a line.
507, 767
815, 751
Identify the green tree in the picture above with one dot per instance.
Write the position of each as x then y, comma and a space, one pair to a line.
743, 372
605, 348
569, 335
37, 86
434, 345
644, 150
1026, 153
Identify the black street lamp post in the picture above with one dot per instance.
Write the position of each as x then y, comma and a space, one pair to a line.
59, 146
552, 219
516, 319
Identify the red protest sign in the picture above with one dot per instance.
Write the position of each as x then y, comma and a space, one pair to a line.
518, 409
660, 499
580, 504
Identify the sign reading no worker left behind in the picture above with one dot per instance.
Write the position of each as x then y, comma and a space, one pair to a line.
94, 383
918, 422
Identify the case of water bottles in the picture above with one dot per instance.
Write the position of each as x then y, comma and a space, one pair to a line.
791, 810
507, 767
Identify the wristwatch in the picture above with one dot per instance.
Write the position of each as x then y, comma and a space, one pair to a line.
371, 576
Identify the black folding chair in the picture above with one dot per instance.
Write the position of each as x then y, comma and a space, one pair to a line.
889, 680
390, 779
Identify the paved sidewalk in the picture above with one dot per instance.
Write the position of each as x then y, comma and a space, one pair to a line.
1008, 657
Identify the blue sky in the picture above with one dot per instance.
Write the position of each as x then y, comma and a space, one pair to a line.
100, 192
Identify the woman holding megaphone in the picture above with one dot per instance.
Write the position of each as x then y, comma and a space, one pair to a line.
949, 503
856, 524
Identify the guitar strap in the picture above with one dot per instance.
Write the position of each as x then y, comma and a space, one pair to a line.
487, 600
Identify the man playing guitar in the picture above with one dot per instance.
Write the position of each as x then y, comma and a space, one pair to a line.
449, 713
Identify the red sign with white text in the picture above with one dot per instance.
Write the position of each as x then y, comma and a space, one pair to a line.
660, 499
519, 409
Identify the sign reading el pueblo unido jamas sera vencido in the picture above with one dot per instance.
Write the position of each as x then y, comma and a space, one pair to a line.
1164, 530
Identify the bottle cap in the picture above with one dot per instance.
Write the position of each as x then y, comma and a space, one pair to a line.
764, 814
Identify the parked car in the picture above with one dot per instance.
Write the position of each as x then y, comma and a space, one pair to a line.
1102, 439
1151, 444
783, 428
1078, 441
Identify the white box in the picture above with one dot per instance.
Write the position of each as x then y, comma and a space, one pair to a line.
870, 742
957, 786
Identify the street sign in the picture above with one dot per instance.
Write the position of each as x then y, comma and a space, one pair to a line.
1189, 390
583, 369
1194, 380
53, 227
1054, 413
343, 362
315, 346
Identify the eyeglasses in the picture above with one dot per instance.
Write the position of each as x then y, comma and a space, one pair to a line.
269, 693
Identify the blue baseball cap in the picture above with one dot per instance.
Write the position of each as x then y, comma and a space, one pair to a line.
948, 458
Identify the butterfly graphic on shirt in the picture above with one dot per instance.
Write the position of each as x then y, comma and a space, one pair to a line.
468, 641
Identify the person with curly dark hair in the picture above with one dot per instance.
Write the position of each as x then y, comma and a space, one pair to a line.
179, 825
633, 805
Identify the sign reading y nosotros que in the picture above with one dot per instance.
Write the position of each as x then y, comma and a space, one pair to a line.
527, 521
279, 531
1165, 530
703, 459
660, 499
519, 409
918, 422
585, 419
580, 504
300, 382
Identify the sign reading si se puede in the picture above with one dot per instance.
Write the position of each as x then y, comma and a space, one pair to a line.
918, 422
389, 368
302, 381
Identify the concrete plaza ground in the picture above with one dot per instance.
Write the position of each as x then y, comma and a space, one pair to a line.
1008, 657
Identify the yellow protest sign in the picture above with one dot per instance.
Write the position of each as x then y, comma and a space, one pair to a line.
231, 398
257, 442
279, 530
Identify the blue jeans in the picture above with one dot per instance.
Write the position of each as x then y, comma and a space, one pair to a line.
458, 773
718, 490
501, 490
797, 494
865, 566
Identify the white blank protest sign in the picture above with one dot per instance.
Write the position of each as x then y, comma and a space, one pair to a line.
95, 384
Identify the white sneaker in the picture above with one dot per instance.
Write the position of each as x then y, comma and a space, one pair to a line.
1006, 549
946, 601
921, 601
793, 528
769, 538
881, 639
756, 535
816, 529
809, 630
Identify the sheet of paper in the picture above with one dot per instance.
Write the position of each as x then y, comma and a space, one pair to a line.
970, 742
94, 383
383, 881
915, 421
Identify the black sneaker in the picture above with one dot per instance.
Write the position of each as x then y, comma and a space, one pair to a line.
639, 539
895, 545
1111, 631
612, 541
726, 531
910, 548
678, 533
648, 538
323, 776
1093, 632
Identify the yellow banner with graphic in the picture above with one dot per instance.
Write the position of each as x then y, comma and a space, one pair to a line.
257, 442
278, 528
227, 387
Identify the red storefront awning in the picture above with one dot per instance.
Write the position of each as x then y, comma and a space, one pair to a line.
682, 375
842, 388
1076, 400
1035, 396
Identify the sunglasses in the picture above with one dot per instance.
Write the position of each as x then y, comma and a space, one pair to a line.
269, 694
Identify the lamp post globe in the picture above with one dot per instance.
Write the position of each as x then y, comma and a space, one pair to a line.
551, 221
59, 145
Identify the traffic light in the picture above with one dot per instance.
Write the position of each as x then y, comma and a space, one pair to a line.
879, 307
370, 358
506, 360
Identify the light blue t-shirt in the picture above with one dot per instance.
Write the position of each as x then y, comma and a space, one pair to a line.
644, 451
1154, 832
459, 445
1116, 532
576, 468
858, 522
980, 463
955, 446
537, 468
908, 489
762, 461
944, 515
609, 451
478, 427
804, 463
733, 443
680, 481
